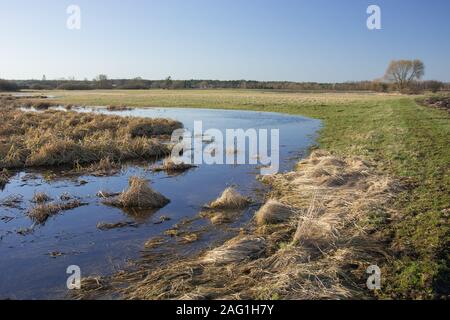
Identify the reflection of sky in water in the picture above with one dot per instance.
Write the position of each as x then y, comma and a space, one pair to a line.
27, 270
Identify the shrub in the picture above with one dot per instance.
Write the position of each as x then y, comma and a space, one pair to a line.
8, 86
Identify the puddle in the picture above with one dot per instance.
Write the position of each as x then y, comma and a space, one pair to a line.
33, 264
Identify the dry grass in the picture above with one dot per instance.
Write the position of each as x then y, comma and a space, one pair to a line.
230, 199
218, 217
226, 208
170, 166
138, 195
40, 198
273, 212
105, 167
42, 212
55, 138
236, 250
322, 252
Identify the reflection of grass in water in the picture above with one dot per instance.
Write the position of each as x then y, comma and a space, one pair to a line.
405, 140
4, 178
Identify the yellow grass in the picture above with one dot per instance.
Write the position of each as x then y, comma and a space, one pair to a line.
55, 138
138, 195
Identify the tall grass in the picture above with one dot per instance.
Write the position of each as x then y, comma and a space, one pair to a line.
55, 138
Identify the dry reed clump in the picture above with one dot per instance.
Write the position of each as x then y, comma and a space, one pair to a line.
56, 138
226, 208
230, 199
170, 166
138, 195
105, 167
273, 212
152, 127
42, 212
321, 252
41, 197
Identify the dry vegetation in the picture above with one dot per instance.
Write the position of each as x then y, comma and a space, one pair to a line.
55, 138
43, 211
138, 195
40, 198
273, 212
229, 200
318, 248
226, 208
171, 167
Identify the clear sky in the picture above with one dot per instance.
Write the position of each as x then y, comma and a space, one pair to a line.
296, 40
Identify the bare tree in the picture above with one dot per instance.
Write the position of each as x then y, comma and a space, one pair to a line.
403, 72
168, 83
102, 82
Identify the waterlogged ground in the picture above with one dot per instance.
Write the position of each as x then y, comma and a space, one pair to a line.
33, 264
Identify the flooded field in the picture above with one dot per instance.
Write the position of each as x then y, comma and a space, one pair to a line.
34, 258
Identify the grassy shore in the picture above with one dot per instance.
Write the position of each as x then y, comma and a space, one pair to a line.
406, 140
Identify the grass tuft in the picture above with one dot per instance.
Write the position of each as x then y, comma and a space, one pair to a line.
230, 199
138, 195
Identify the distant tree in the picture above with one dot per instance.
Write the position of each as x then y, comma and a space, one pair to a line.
203, 85
75, 85
404, 72
39, 86
8, 85
168, 82
102, 82
101, 77
44, 78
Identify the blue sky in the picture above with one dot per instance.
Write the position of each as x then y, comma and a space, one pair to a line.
295, 40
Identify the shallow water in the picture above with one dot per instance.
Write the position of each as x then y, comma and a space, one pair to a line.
27, 268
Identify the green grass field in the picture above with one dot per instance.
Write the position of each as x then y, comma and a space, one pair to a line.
406, 140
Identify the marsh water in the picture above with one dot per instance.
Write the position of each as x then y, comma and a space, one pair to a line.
33, 265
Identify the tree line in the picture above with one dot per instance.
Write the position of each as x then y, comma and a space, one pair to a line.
401, 75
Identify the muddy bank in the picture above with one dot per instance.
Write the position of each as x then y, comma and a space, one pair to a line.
313, 239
